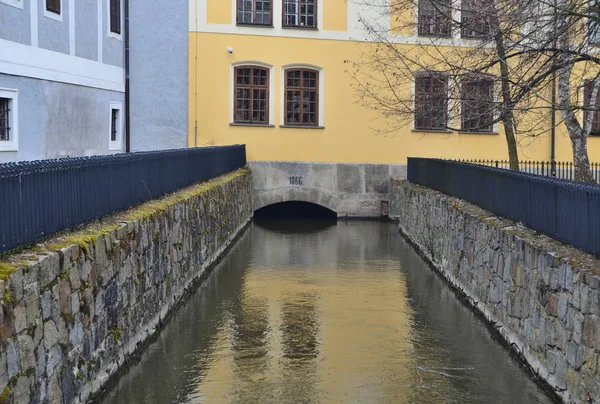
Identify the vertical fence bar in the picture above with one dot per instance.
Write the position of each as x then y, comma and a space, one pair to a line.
40, 198
560, 208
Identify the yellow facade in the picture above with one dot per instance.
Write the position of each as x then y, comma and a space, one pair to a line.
350, 132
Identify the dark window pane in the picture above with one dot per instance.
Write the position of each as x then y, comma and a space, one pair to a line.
300, 13
431, 102
434, 17
252, 95
115, 16
4, 119
114, 121
477, 105
53, 6
302, 101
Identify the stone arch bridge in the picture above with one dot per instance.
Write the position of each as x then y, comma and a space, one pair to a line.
350, 190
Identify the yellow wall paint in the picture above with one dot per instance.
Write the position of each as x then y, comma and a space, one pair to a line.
349, 134
335, 15
218, 11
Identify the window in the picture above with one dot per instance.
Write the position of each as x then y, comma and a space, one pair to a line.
8, 120
115, 16
300, 13
431, 101
475, 23
587, 94
5, 120
301, 97
53, 6
251, 104
434, 17
594, 23
477, 105
256, 12
115, 125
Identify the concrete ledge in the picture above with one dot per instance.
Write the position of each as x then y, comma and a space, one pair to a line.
540, 296
76, 308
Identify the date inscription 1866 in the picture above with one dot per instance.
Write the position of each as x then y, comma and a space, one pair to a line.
295, 180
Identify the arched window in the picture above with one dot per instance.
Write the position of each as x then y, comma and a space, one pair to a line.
251, 104
302, 97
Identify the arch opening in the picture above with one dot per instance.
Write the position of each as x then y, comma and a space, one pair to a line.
295, 210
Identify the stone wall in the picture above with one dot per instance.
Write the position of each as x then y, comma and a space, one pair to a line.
76, 308
350, 190
541, 296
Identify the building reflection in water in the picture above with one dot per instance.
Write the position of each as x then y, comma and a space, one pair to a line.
325, 314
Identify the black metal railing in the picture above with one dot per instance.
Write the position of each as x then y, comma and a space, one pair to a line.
40, 198
561, 169
564, 210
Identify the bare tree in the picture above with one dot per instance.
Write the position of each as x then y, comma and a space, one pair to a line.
485, 62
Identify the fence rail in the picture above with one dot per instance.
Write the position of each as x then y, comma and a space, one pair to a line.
564, 210
40, 198
560, 169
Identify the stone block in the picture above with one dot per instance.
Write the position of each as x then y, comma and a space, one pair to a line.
21, 392
32, 304
377, 179
13, 360
53, 360
51, 336
349, 179
20, 317
26, 351
49, 268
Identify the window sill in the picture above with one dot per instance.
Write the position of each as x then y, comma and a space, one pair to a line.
432, 131
246, 24
300, 27
435, 35
8, 147
301, 127
255, 125
476, 132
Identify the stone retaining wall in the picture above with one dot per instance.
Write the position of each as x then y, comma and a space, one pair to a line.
76, 308
541, 296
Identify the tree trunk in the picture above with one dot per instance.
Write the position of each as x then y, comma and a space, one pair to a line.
506, 115
577, 133
581, 160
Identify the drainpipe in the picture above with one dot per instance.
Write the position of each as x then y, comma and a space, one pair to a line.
127, 111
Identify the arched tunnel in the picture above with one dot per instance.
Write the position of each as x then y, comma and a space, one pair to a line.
295, 210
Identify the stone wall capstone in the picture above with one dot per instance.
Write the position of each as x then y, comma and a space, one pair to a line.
75, 309
540, 295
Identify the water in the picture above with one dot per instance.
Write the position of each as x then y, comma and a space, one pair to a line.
345, 313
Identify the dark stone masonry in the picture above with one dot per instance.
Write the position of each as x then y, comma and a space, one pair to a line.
76, 308
540, 295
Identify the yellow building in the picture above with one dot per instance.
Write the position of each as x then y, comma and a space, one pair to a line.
272, 74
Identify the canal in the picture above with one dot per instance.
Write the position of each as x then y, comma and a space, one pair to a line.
313, 312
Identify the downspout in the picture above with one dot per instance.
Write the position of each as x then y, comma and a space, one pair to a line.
127, 97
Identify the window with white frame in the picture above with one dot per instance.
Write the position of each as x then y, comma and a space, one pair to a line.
300, 13
53, 9
8, 120
116, 125
115, 16
431, 101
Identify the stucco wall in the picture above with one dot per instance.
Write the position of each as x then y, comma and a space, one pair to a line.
541, 296
86, 29
53, 34
159, 75
15, 24
82, 305
58, 120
